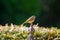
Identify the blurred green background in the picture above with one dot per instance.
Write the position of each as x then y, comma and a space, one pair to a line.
17, 11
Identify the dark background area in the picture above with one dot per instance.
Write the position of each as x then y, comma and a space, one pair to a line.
47, 12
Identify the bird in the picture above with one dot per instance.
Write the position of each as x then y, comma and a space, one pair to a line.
30, 20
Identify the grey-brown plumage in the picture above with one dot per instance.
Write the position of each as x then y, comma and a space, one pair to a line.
30, 20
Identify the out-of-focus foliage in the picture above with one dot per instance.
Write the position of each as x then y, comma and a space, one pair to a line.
50, 13
17, 11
